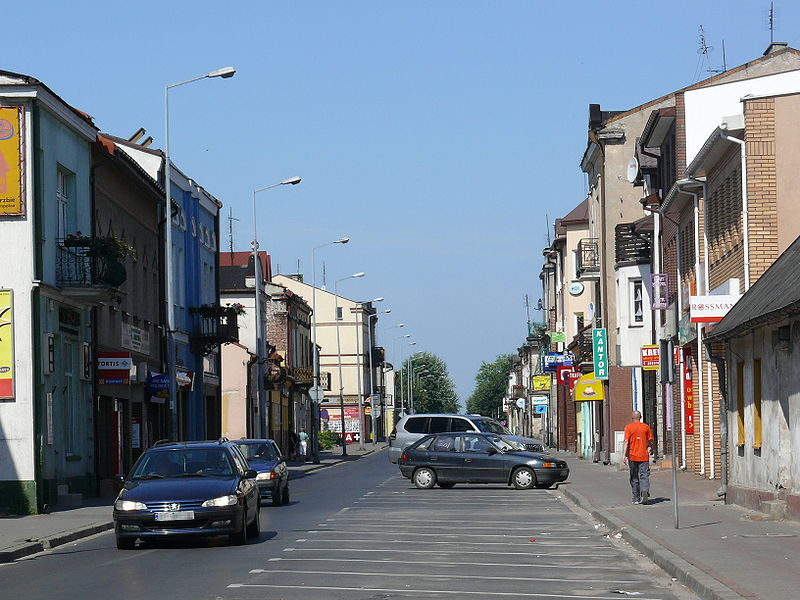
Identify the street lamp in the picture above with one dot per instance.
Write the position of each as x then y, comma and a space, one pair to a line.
316, 392
371, 373
394, 354
260, 350
411, 360
224, 73
339, 352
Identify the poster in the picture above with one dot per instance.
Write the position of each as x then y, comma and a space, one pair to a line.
10, 162
6, 345
352, 429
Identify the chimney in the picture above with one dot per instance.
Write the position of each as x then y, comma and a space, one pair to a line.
775, 46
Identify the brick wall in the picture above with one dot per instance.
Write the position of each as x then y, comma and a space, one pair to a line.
725, 241
762, 187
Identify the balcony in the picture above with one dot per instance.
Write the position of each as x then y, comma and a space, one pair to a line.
216, 325
588, 258
518, 391
86, 267
302, 376
632, 245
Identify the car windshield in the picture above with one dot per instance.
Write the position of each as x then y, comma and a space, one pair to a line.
258, 450
489, 426
501, 443
184, 462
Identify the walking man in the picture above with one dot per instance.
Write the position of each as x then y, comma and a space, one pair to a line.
636, 453
303, 444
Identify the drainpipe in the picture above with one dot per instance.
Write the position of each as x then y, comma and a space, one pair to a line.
745, 216
709, 394
723, 420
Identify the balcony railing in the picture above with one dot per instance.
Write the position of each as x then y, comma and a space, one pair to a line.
588, 257
216, 325
85, 267
632, 246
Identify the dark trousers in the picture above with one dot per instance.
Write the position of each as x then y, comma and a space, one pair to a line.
640, 478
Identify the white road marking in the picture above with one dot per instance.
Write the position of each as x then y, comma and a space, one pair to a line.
448, 552
532, 545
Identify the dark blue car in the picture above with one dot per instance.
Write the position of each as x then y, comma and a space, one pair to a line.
272, 477
188, 489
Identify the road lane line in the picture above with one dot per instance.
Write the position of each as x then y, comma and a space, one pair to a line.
450, 553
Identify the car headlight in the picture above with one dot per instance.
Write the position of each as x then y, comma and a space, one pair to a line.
129, 505
265, 475
229, 500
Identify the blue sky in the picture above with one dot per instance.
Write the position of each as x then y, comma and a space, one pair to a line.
439, 136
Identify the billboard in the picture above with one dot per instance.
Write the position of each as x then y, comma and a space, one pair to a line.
6, 344
10, 162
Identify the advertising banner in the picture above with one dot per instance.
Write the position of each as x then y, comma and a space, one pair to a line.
651, 358
352, 430
10, 162
659, 284
541, 383
688, 392
6, 344
588, 388
710, 309
600, 351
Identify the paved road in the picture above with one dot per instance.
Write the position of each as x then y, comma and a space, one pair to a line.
360, 531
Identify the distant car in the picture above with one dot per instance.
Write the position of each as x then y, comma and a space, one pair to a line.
188, 489
413, 427
265, 458
450, 458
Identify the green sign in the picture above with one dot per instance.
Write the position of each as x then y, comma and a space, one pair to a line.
600, 350
558, 336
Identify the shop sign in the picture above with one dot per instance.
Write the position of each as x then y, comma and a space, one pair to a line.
541, 383
557, 337
688, 392
588, 388
135, 339
6, 344
553, 360
659, 284
537, 400
710, 309
352, 429
562, 374
158, 387
184, 379
600, 351
572, 379
651, 360
10, 162
114, 368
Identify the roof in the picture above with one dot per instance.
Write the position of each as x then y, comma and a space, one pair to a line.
577, 216
769, 299
236, 267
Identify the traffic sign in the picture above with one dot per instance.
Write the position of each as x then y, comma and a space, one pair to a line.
540, 409
317, 394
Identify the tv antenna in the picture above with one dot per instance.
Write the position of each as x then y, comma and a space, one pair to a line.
705, 51
772, 18
231, 219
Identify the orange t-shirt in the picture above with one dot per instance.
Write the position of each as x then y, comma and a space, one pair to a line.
638, 434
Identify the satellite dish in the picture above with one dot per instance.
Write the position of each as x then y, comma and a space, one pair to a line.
590, 312
633, 169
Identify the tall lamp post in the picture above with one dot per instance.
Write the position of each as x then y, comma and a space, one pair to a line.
316, 391
225, 73
411, 360
339, 351
371, 373
394, 356
259, 329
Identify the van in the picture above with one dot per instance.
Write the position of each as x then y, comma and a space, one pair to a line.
411, 428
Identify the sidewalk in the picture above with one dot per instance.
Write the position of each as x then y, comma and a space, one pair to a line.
25, 535
719, 552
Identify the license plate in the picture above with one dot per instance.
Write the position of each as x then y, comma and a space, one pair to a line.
180, 515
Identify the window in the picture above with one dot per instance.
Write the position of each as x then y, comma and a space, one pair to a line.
457, 424
476, 443
63, 182
757, 403
338, 313
444, 443
416, 424
438, 424
740, 404
637, 302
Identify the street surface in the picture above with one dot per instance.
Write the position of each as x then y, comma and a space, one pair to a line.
360, 530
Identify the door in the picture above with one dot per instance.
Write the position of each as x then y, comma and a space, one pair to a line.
479, 465
445, 458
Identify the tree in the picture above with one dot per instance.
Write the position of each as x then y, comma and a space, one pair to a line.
433, 390
491, 384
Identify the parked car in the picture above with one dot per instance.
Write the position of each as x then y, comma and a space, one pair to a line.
188, 489
272, 477
450, 458
413, 427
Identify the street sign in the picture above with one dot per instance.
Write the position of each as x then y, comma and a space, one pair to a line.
539, 400
317, 394
659, 284
540, 409
600, 352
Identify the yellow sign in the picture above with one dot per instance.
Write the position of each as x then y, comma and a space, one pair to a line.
6, 344
541, 383
588, 388
10, 162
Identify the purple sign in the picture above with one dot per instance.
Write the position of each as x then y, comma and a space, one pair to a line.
659, 284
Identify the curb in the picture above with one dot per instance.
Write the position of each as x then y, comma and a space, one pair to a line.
692, 577
27, 548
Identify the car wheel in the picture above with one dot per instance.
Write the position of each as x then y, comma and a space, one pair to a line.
285, 497
125, 543
254, 529
446, 484
277, 497
240, 537
523, 478
424, 478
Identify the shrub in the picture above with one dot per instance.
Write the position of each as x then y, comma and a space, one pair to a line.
328, 439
